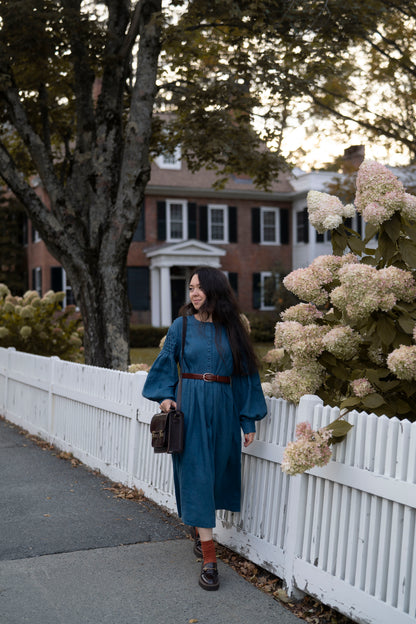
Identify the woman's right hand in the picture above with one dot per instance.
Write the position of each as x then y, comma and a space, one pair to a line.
167, 405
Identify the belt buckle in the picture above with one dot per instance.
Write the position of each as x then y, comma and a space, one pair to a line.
206, 377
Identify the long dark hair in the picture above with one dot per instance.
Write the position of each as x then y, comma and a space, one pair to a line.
221, 304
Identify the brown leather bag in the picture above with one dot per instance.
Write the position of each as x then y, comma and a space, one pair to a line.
167, 432
167, 428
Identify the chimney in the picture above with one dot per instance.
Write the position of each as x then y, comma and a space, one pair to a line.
353, 157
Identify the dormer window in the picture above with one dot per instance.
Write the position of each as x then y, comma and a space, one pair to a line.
170, 160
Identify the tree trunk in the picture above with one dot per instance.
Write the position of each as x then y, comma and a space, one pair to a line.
102, 298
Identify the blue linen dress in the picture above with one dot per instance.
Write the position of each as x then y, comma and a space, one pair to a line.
207, 475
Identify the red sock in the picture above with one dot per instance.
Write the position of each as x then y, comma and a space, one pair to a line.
208, 551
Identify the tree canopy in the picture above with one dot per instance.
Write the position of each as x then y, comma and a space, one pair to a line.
80, 82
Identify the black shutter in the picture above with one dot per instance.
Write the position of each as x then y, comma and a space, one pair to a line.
233, 279
305, 226
256, 290
232, 224
284, 226
138, 288
33, 279
203, 223
191, 220
255, 225
161, 220
140, 234
33, 232
56, 279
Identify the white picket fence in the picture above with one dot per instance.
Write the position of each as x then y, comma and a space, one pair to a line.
344, 533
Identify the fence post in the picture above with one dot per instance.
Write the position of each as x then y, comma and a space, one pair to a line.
10, 350
51, 399
296, 500
137, 399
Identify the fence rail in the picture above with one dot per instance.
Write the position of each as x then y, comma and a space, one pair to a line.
344, 533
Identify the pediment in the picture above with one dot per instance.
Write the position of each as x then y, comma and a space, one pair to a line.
186, 248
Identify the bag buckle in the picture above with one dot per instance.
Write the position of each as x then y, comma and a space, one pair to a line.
208, 377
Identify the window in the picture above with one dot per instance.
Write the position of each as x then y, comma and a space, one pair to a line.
170, 160
138, 288
217, 224
325, 237
60, 283
140, 233
264, 288
177, 225
37, 280
35, 235
270, 226
268, 285
269, 232
302, 226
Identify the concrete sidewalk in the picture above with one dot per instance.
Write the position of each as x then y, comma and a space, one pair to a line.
73, 553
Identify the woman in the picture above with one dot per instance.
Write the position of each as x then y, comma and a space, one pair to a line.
207, 474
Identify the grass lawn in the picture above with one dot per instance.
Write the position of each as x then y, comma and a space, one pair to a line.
148, 356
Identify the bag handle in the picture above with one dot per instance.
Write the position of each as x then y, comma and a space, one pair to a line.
179, 394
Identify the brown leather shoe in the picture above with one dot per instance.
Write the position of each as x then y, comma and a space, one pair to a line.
209, 577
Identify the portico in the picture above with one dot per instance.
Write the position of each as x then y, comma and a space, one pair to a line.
170, 269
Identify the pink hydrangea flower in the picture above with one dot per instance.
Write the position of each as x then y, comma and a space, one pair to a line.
303, 313
342, 341
326, 212
294, 383
402, 362
310, 449
361, 387
380, 194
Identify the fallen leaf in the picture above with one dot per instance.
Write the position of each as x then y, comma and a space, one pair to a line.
193, 621
281, 595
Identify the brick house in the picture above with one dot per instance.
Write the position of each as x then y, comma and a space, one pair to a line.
185, 222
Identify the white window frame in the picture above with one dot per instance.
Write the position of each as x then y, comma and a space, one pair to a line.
224, 210
170, 161
184, 204
38, 280
263, 276
263, 211
66, 287
36, 237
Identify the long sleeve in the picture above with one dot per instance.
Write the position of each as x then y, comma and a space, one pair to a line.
162, 379
249, 400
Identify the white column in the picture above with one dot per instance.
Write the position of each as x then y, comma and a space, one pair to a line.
155, 298
165, 297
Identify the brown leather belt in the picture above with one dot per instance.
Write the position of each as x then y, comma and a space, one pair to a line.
207, 377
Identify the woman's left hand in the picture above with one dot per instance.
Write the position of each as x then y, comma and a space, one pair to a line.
249, 438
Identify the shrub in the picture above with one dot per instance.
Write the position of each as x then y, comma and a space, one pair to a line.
39, 325
146, 336
262, 326
352, 342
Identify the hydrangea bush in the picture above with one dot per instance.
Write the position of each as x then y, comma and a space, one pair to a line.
353, 341
39, 325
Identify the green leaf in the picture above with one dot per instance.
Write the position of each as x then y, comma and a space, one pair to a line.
339, 428
393, 227
350, 402
370, 232
386, 248
407, 324
373, 400
339, 242
356, 245
386, 330
408, 251
368, 260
